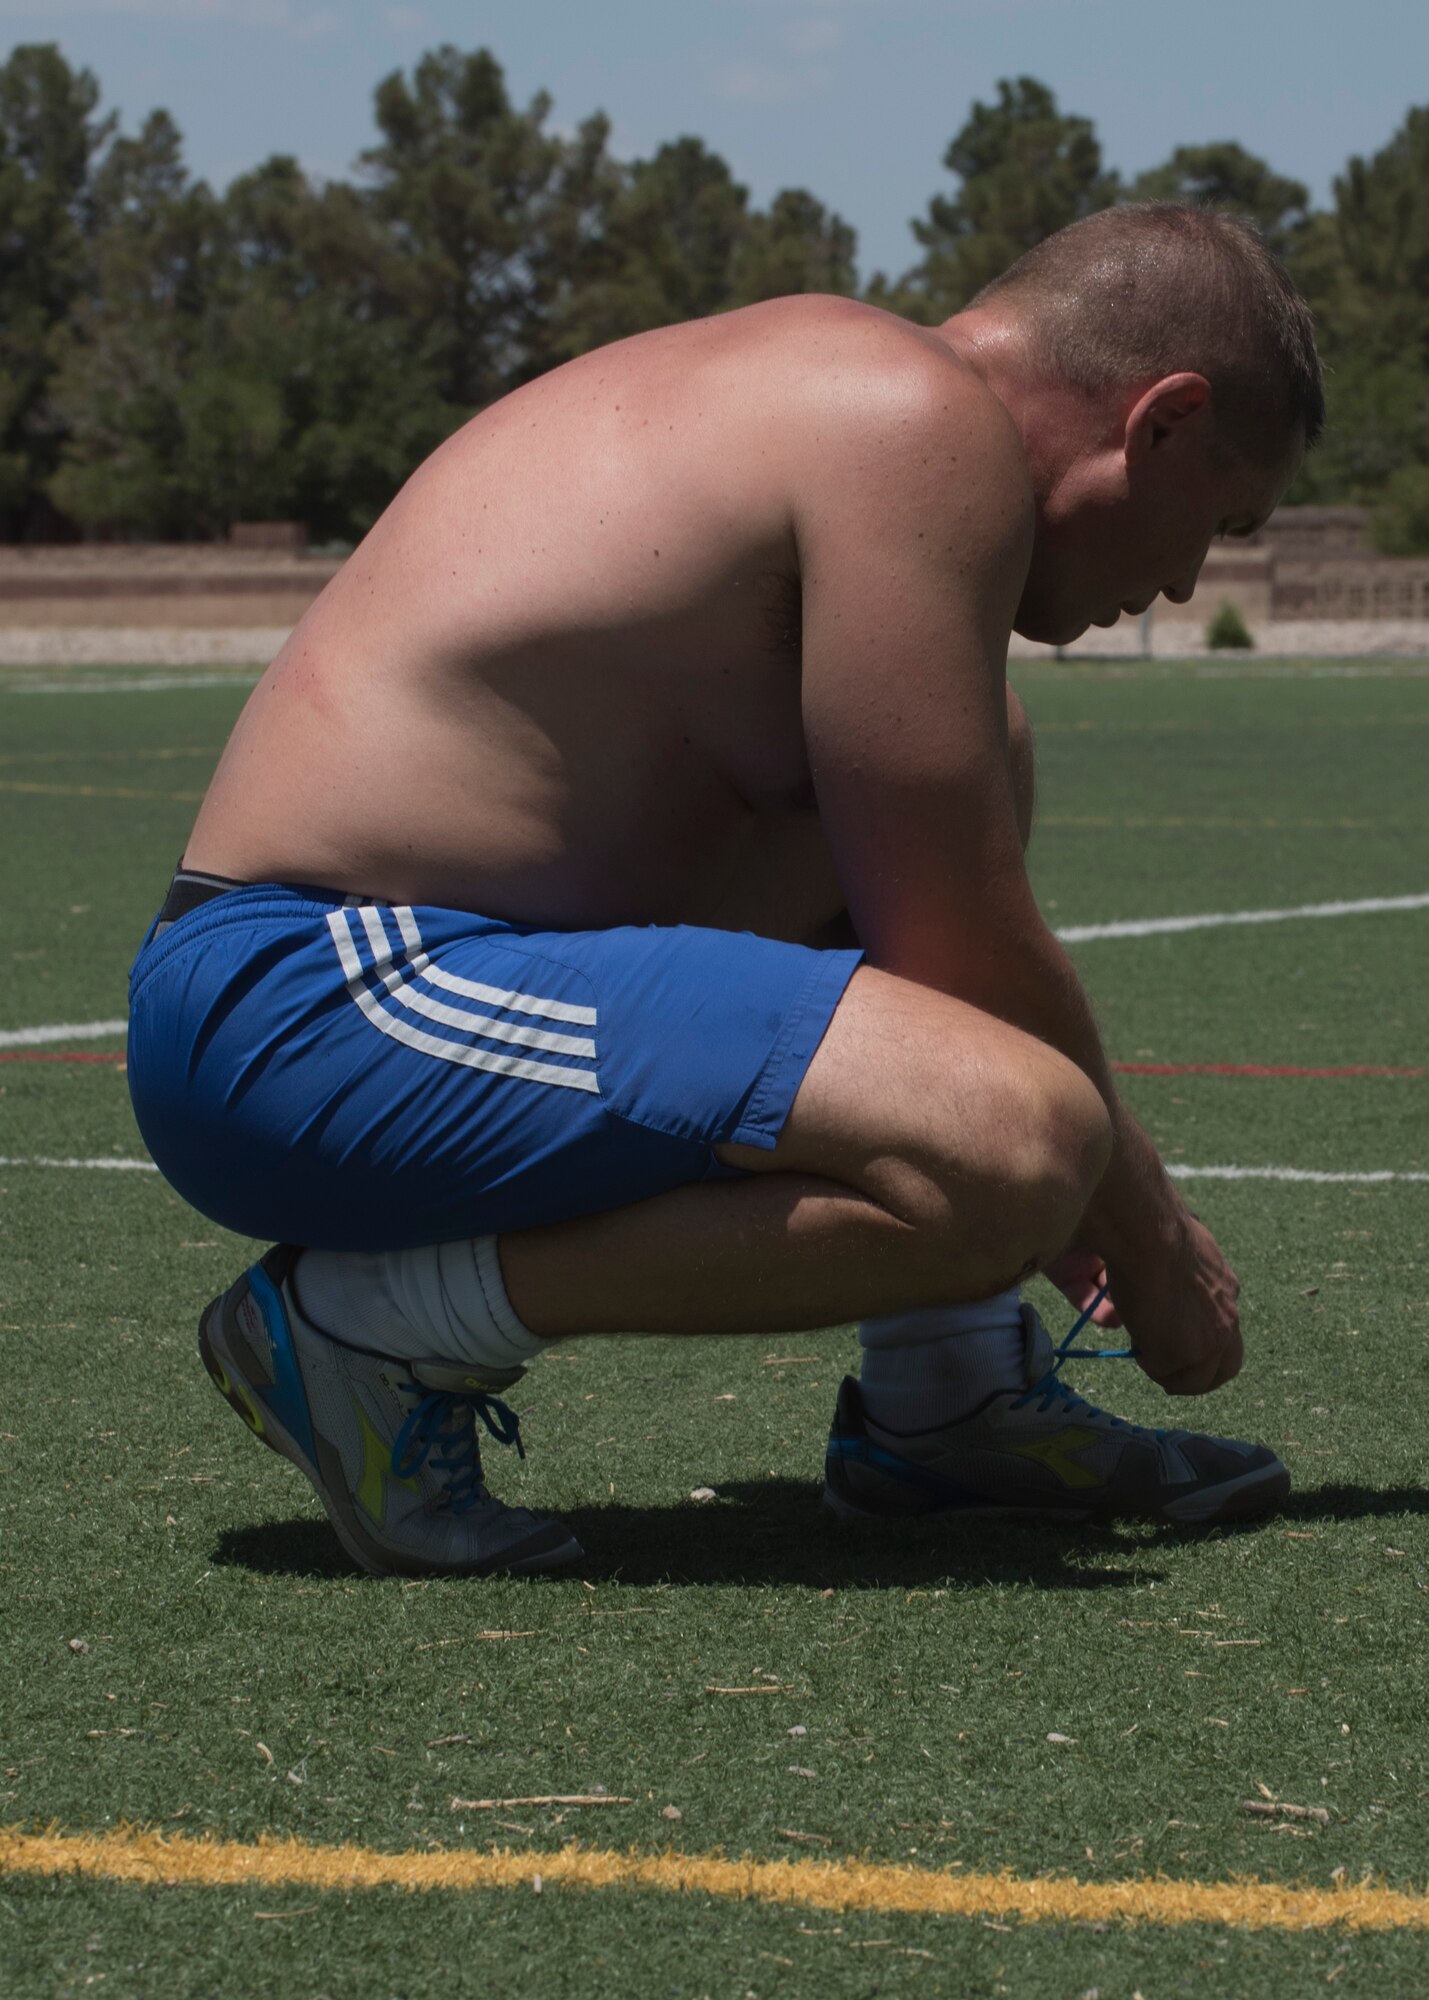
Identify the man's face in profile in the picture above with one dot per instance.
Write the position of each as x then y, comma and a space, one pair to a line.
1120, 544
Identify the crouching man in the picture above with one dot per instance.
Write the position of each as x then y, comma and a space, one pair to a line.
502, 978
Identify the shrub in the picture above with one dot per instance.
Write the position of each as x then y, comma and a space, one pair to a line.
1228, 631
1400, 523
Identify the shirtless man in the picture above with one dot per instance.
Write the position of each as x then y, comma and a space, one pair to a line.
674, 965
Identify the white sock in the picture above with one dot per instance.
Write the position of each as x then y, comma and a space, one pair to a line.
444, 1302
937, 1365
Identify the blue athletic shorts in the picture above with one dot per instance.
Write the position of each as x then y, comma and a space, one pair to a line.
348, 1074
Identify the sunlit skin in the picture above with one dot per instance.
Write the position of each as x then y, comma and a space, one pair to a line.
710, 627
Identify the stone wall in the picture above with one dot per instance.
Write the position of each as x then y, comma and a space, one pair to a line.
1352, 587
160, 585
1319, 532
1306, 563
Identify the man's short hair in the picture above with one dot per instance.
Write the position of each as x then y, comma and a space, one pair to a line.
1153, 288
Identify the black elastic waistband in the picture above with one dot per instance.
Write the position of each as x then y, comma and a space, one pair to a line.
189, 890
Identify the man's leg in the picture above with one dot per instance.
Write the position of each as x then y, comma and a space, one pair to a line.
932, 1154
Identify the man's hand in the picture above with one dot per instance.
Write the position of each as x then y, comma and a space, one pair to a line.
1179, 1309
1079, 1275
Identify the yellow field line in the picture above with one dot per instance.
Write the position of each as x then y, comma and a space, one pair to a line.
92, 791
131, 1854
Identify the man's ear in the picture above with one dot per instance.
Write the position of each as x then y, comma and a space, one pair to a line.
1167, 410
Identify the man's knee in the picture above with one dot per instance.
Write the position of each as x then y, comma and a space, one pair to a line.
970, 1132
1043, 1144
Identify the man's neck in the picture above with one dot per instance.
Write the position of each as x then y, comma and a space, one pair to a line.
1058, 425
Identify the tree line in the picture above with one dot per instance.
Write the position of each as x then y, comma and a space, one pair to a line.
173, 360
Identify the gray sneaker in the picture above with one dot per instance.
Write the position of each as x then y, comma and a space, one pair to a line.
1043, 1452
389, 1446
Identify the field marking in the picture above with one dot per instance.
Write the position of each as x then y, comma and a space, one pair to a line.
1313, 1175
62, 1055
1375, 1177
1084, 726
128, 1854
1069, 934
1237, 1070
105, 756
1167, 667
1368, 906
1257, 1070
150, 684
1130, 823
28, 785
60, 1031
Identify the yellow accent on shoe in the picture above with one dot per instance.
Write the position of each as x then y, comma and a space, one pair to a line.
239, 1397
376, 1470
1056, 1454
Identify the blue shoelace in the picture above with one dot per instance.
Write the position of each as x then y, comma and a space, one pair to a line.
434, 1434
1052, 1391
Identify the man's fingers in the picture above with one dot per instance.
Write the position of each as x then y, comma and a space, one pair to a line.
1181, 1377
1232, 1359
1197, 1381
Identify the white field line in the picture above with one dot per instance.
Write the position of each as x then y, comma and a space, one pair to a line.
1070, 934
60, 1031
1159, 926
1310, 1174
153, 684
1314, 1176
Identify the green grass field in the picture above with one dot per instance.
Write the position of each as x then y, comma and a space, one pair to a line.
185, 1648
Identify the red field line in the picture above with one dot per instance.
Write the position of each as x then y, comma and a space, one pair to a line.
1123, 1068
1257, 1069
85, 1056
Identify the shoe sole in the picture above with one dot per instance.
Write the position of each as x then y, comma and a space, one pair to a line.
266, 1428
1244, 1499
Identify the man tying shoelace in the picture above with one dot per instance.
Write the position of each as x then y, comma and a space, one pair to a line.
610, 912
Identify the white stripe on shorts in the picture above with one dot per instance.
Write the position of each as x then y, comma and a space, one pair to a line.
405, 993
472, 989
412, 997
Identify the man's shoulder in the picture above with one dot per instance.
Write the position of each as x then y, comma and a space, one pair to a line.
881, 422
867, 376
828, 332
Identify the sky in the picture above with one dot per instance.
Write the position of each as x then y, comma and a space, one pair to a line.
855, 100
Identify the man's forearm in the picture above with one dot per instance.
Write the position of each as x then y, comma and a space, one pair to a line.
1137, 1207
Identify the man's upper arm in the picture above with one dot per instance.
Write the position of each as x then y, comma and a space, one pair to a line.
914, 536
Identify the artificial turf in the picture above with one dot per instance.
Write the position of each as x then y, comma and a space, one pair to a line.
924, 1670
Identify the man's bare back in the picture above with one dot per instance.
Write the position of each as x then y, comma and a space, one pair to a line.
559, 683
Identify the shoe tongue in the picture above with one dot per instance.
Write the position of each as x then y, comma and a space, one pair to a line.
457, 1378
1039, 1353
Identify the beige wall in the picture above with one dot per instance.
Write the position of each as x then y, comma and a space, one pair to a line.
203, 586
